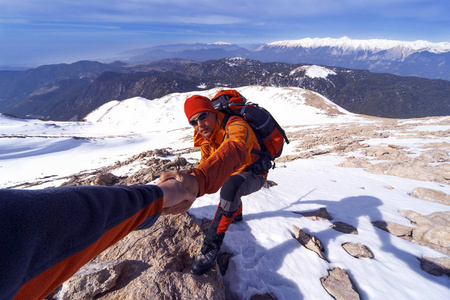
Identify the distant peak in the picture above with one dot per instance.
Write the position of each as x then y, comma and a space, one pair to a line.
314, 71
221, 43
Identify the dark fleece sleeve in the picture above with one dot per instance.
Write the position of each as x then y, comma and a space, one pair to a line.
47, 235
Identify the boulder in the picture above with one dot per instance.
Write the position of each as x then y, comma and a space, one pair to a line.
310, 242
316, 215
107, 179
270, 183
357, 250
431, 195
401, 231
431, 230
91, 280
152, 263
344, 228
339, 285
435, 265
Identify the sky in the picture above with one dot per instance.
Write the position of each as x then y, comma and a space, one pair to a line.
266, 258
49, 31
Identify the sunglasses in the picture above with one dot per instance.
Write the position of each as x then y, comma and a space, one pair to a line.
201, 117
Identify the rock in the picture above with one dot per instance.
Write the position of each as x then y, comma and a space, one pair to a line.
431, 195
157, 264
177, 162
310, 242
377, 151
357, 250
155, 166
435, 156
435, 266
223, 260
429, 166
355, 162
91, 280
107, 179
432, 230
446, 175
316, 215
160, 152
180, 161
438, 236
339, 285
291, 157
344, 228
398, 230
269, 184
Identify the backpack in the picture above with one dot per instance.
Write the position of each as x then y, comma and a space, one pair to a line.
270, 135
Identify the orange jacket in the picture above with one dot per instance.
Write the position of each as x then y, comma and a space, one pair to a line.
225, 153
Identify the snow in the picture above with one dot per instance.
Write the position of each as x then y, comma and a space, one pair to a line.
314, 71
234, 61
374, 45
221, 43
433, 128
266, 258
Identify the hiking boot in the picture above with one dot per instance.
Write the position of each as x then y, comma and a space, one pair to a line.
237, 219
204, 262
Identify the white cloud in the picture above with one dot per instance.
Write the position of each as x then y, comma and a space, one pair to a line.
210, 12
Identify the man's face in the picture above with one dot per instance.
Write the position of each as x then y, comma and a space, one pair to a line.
204, 123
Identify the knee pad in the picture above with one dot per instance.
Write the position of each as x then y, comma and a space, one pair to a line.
230, 188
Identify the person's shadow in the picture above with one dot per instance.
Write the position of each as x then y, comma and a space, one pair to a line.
360, 212
252, 261
250, 258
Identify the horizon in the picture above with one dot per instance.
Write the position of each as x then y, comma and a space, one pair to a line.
43, 32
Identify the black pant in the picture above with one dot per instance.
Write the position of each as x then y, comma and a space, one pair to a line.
230, 206
239, 185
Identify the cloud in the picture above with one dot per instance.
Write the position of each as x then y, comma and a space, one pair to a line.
210, 12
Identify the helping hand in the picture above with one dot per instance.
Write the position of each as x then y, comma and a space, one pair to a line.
180, 191
188, 181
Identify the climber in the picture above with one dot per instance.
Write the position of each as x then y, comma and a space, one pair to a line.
226, 154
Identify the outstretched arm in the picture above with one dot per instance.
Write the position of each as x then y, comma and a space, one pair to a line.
47, 235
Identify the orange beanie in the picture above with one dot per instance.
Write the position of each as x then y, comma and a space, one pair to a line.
196, 104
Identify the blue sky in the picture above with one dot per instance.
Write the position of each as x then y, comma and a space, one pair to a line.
54, 31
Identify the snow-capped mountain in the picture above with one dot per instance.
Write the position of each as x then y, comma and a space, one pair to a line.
418, 58
407, 58
373, 45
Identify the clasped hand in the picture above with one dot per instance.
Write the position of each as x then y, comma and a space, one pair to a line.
180, 191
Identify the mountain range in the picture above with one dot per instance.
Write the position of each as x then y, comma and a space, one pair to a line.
418, 58
71, 91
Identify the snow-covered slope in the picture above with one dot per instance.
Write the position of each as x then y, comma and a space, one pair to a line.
167, 112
